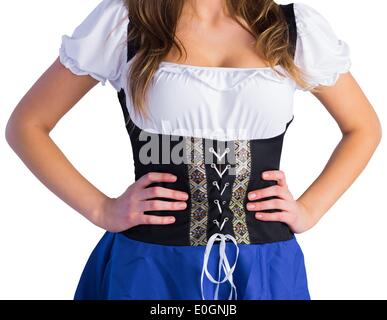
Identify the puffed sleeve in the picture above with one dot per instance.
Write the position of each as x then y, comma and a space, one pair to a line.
320, 54
97, 46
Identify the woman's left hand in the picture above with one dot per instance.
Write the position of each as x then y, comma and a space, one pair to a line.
294, 213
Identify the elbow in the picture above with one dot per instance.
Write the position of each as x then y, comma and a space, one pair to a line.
11, 132
370, 131
373, 135
14, 130
20, 129
378, 132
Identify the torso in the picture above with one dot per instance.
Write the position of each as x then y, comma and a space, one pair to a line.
217, 121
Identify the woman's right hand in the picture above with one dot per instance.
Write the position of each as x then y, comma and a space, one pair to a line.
126, 211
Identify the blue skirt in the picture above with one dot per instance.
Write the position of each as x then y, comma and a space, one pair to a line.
124, 268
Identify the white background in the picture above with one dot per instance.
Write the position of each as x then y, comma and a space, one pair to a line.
44, 244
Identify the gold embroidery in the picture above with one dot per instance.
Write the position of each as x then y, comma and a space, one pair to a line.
198, 187
239, 189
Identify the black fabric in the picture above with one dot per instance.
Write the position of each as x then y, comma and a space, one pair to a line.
132, 46
288, 10
265, 155
160, 234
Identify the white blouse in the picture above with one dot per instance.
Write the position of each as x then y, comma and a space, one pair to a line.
221, 103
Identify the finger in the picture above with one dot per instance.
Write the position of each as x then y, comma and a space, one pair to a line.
282, 216
152, 219
151, 177
271, 191
268, 204
154, 192
277, 175
152, 205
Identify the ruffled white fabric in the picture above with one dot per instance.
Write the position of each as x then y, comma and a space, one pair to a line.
319, 52
97, 46
217, 102
219, 78
209, 102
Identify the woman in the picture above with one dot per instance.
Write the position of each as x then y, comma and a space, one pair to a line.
210, 215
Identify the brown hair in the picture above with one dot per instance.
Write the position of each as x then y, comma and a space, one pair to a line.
153, 25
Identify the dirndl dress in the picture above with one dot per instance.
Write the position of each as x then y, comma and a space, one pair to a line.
226, 126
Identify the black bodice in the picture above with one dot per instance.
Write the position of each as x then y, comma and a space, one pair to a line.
216, 174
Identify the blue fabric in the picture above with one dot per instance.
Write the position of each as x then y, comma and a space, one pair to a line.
123, 268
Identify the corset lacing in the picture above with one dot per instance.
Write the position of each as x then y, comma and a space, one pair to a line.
223, 261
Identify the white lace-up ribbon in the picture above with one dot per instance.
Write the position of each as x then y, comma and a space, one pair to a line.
223, 263
223, 260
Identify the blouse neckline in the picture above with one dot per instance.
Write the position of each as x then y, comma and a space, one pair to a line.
191, 66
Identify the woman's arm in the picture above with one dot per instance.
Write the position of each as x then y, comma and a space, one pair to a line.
28, 128
27, 132
362, 132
